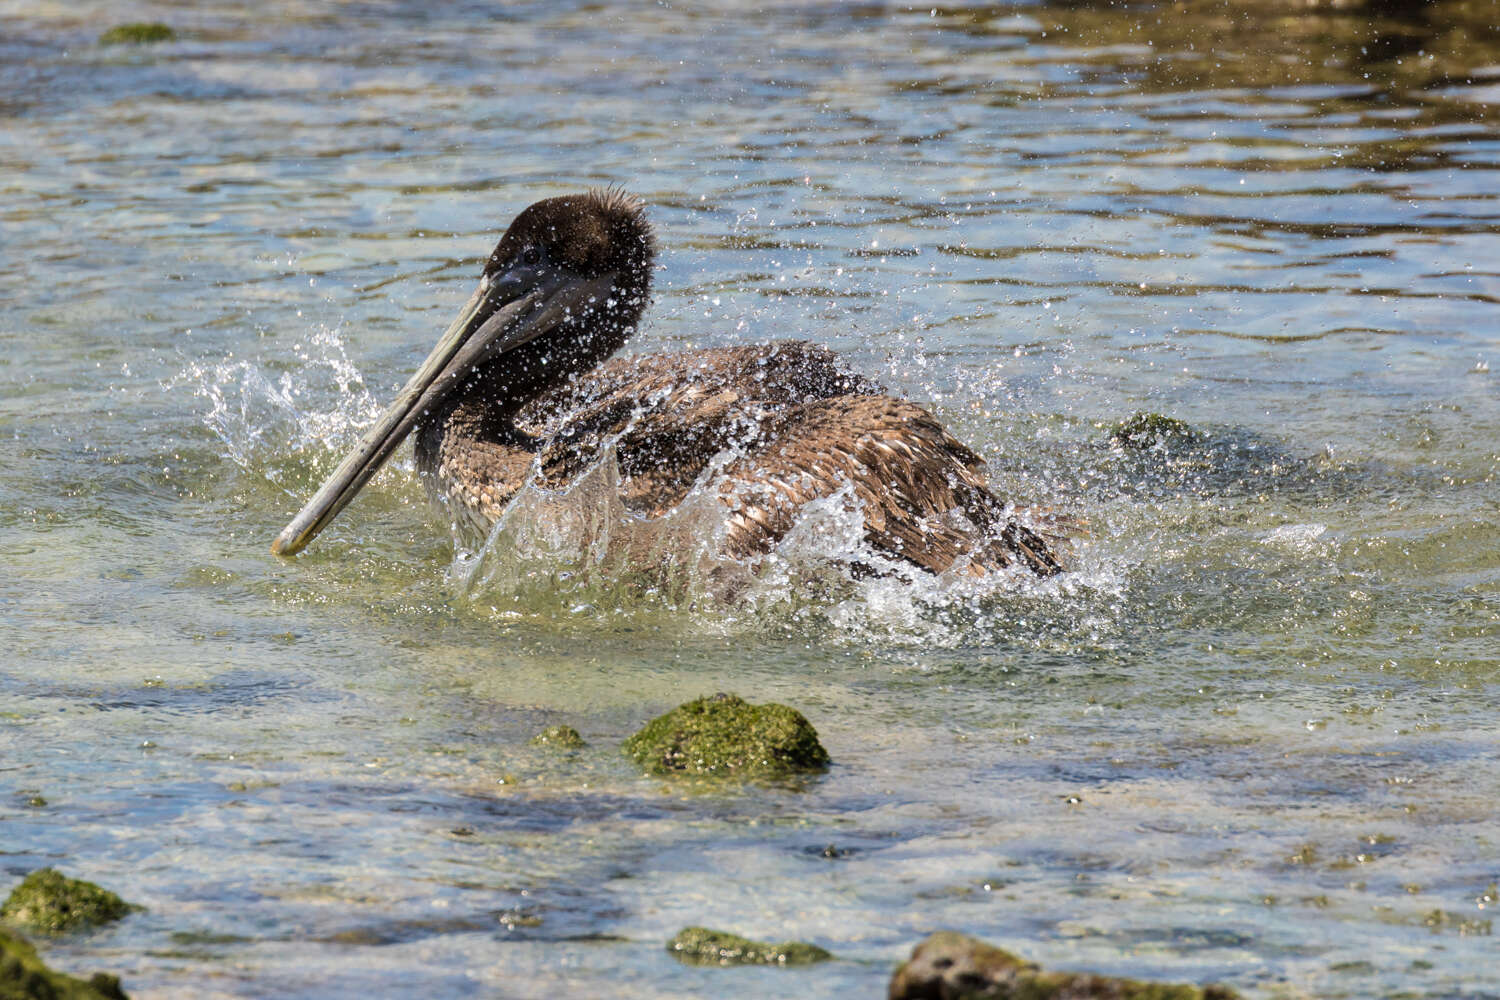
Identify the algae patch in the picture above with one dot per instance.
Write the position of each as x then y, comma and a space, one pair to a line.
1152, 430
1461, 923
23, 976
704, 946
48, 902
561, 737
726, 736
138, 33
953, 966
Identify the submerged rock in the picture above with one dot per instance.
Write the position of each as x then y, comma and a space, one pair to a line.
1152, 430
953, 966
138, 33
704, 946
48, 902
726, 736
562, 737
23, 976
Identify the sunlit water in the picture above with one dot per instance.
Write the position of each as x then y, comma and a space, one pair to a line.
1251, 738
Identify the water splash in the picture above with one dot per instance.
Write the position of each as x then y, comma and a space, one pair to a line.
578, 555
580, 549
254, 411
1300, 539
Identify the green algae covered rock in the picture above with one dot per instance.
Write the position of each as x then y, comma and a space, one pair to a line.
23, 976
1152, 430
953, 966
138, 33
726, 736
702, 946
561, 737
48, 902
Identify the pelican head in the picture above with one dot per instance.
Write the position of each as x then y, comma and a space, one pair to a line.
561, 292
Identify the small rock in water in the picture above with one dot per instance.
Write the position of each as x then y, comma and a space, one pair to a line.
1151, 430
727, 736
48, 902
23, 976
563, 737
953, 966
138, 33
703, 946
833, 852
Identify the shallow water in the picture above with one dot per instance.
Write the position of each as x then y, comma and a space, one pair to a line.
1250, 739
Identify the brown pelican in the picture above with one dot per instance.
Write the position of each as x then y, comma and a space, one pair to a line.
520, 386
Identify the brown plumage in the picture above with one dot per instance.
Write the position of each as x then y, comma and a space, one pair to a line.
774, 426
800, 428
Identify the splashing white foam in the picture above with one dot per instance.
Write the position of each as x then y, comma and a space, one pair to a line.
253, 411
1303, 539
578, 554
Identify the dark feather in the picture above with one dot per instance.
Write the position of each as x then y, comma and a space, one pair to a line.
799, 427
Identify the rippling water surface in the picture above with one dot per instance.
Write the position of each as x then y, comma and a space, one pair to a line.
1250, 739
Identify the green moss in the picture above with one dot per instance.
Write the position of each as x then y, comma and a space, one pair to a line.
511, 919
1462, 923
562, 737
702, 946
1149, 430
23, 976
48, 902
957, 967
138, 33
727, 736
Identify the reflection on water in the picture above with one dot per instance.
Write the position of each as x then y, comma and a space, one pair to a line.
1250, 738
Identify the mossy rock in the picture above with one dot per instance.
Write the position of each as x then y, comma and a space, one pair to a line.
953, 966
726, 736
561, 737
703, 946
138, 33
48, 902
23, 976
1151, 430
